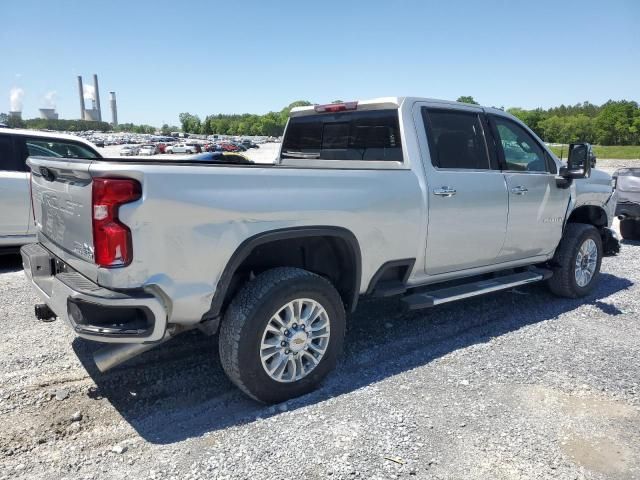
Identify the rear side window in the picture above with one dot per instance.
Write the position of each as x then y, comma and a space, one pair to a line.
46, 147
9, 160
456, 139
367, 135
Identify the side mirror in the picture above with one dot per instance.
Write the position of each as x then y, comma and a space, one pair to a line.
581, 159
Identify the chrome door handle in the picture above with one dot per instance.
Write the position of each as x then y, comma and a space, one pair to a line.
519, 190
445, 192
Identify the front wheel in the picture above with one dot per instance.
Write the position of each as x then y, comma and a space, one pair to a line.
576, 263
282, 334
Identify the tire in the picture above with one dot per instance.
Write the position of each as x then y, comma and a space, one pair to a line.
630, 228
245, 324
564, 282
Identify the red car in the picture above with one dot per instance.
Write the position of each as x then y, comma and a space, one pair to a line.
229, 147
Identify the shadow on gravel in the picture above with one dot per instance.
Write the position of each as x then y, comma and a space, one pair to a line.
10, 262
179, 390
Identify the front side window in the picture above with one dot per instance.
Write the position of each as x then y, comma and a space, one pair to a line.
456, 139
364, 135
48, 147
521, 152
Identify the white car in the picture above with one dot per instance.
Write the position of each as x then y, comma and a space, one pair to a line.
180, 148
16, 218
147, 150
128, 150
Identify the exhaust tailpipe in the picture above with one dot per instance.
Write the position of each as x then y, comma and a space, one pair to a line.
108, 357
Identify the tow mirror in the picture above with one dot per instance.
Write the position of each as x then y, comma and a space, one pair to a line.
581, 159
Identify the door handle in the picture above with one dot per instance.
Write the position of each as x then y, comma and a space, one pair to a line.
519, 190
445, 192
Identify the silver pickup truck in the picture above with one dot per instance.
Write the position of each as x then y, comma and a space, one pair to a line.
432, 200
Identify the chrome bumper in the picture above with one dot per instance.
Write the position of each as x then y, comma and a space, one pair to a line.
94, 312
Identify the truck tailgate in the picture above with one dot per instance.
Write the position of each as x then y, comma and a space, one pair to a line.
61, 191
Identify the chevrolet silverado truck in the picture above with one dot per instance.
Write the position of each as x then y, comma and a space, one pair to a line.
16, 225
431, 200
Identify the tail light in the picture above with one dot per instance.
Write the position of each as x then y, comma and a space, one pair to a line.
111, 238
336, 107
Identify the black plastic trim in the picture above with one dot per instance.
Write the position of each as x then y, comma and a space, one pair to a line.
408, 262
247, 246
105, 331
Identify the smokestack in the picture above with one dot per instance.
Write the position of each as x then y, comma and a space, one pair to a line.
114, 109
97, 97
81, 91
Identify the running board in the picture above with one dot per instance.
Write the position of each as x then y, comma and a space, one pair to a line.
432, 298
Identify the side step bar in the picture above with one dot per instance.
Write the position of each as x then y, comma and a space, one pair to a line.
432, 298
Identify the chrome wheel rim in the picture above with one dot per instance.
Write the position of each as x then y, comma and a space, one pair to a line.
586, 262
295, 340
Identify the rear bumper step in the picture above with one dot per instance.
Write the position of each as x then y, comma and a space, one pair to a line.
432, 298
94, 312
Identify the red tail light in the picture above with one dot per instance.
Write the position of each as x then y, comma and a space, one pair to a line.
111, 238
336, 107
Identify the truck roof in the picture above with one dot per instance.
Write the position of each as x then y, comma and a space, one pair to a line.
389, 103
39, 133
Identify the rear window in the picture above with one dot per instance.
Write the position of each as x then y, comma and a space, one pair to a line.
368, 135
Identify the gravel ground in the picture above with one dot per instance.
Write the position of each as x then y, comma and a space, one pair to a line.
513, 385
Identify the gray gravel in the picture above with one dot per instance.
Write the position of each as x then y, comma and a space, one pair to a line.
513, 385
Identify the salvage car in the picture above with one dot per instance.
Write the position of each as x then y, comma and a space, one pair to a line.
397, 196
16, 222
148, 150
628, 209
128, 151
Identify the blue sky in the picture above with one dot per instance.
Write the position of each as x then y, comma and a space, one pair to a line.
166, 57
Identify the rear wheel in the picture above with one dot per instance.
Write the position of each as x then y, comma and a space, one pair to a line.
282, 334
630, 228
576, 263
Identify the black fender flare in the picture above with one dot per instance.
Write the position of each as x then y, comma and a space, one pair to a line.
249, 244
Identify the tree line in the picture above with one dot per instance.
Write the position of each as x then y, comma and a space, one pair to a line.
612, 123
270, 124
57, 125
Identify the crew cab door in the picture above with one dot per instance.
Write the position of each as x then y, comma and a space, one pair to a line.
467, 196
14, 190
537, 206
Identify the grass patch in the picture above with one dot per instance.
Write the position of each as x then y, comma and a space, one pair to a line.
626, 152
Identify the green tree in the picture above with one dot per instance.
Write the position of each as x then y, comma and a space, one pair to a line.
15, 122
190, 123
467, 99
165, 130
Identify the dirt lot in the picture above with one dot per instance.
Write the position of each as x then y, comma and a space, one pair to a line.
512, 385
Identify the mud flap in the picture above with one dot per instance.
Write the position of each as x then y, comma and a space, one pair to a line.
610, 242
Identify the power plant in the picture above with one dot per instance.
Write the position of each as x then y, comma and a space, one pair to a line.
114, 109
48, 114
92, 114
89, 97
93, 95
